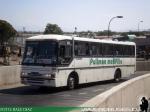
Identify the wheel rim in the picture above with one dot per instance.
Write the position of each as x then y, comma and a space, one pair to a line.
71, 83
117, 77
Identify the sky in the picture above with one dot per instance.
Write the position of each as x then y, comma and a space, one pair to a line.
86, 15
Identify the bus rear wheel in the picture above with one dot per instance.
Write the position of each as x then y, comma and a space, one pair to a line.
71, 83
117, 76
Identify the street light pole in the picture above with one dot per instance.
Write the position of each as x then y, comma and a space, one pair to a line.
139, 26
75, 30
111, 21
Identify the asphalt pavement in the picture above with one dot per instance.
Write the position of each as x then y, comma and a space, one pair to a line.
21, 95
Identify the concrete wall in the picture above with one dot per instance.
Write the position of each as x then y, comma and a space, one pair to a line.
143, 66
9, 74
127, 94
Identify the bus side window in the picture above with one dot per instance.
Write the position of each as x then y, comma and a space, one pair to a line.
81, 49
127, 51
116, 50
76, 49
107, 49
95, 49
68, 51
87, 49
62, 51
65, 52
100, 49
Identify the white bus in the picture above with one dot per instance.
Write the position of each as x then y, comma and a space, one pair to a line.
58, 60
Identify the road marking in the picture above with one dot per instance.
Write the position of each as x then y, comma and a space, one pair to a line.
97, 90
82, 93
65, 95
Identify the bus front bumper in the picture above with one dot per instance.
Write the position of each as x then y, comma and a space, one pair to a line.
38, 81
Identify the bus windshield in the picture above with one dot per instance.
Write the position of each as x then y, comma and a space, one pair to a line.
40, 53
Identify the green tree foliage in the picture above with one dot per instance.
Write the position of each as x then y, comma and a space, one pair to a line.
53, 29
6, 31
105, 33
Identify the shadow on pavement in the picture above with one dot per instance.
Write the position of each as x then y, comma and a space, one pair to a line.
34, 90
100, 83
31, 90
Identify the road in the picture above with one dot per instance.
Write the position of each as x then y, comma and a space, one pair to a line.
33, 96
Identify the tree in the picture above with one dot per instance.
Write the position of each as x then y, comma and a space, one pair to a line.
6, 31
53, 29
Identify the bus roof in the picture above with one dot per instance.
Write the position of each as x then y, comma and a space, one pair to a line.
63, 37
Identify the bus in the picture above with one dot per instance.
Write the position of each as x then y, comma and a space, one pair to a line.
58, 60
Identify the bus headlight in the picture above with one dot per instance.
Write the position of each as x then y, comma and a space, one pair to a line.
47, 75
51, 76
24, 74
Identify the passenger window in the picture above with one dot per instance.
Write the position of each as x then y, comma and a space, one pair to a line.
107, 49
81, 49
100, 50
118, 50
95, 49
65, 52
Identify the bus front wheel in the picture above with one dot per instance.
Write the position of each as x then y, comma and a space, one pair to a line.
71, 83
117, 76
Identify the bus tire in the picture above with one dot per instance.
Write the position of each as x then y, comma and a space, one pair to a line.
71, 82
117, 76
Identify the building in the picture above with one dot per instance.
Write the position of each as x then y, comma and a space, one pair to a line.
142, 44
143, 47
19, 40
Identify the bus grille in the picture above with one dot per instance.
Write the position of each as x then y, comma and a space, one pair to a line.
35, 80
